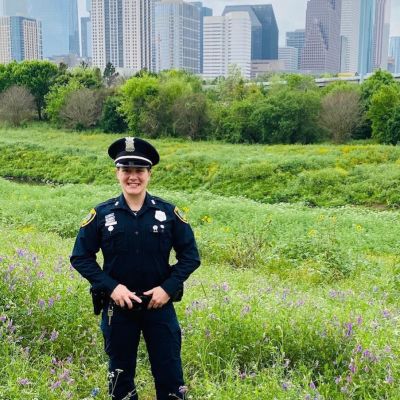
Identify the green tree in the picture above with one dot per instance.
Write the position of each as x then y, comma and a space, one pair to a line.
383, 108
37, 76
190, 116
56, 99
288, 116
111, 119
393, 126
368, 88
110, 75
140, 104
341, 111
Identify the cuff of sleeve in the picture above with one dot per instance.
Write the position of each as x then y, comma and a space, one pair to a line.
171, 286
110, 284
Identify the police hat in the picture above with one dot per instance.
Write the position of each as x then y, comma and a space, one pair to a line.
133, 152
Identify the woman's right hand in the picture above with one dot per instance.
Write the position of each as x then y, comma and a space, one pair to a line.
123, 296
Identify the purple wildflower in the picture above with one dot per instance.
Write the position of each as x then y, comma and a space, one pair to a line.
24, 381
389, 379
55, 385
183, 389
41, 303
312, 385
54, 335
245, 309
225, 286
95, 392
352, 366
349, 329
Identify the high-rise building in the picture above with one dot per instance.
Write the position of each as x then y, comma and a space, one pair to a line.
367, 17
381, 34
86, 37
20, 39
59, 20
350, 35
321, 52
227, 43
264, 30
296, 39
177, 35
123, 33
394, 52
290, 58
204, 12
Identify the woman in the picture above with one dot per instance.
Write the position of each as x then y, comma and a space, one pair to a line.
136, 232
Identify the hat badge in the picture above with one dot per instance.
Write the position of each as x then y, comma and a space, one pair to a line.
130, 144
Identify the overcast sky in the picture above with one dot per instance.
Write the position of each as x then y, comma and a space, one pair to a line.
290, 14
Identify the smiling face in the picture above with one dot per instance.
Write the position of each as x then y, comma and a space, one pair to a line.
134, 181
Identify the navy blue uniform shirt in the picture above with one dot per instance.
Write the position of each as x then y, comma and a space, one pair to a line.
136, 246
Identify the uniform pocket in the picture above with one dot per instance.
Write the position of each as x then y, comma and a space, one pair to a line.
159, 238
114, 241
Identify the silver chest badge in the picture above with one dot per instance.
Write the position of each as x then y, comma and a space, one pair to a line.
160, 216
110, 220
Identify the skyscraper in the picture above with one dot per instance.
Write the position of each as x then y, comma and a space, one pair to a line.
86, 37
350, 34
381, 34
123, 33
290, 58
204, 12
20, 39
321, 52
264, 30
394, 52
296, 39
367, 17
59, 20
177, 35
227, 42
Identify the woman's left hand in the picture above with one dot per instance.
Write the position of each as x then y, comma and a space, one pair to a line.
159, 297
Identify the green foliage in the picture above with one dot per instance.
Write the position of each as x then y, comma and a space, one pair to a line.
315, 174
341, 111
37, 76
288, 116
368, 88
56, 100
382, 109
140, 103
111, 120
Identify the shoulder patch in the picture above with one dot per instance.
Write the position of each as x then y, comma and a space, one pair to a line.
180, 215
89, 218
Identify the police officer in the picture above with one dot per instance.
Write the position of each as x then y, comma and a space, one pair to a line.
136, 232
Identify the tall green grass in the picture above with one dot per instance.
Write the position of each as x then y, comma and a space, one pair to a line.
323, 175
292, 301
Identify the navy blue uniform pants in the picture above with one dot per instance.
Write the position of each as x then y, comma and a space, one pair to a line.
162, 335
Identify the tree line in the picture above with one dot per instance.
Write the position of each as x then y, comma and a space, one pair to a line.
292, 109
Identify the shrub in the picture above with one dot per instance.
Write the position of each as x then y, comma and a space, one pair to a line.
82, 109
17, 105
111, 119
341, 113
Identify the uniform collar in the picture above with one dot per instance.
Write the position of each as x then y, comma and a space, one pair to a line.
149, 202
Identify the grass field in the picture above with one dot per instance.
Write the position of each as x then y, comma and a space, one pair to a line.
297, 296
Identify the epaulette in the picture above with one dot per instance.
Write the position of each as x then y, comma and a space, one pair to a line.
107, 202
